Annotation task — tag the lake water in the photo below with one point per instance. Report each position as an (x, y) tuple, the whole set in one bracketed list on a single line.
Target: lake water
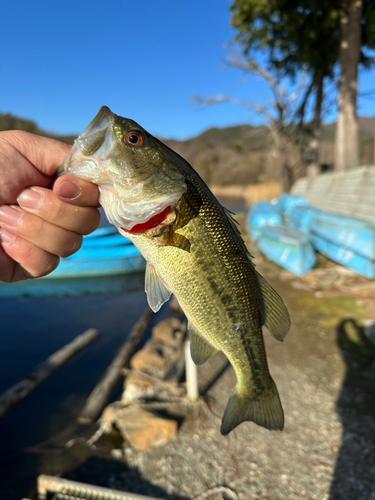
[(30, 331)]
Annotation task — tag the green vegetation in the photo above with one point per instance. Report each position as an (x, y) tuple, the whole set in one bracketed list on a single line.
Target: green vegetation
[(313, 37), (332, 310)]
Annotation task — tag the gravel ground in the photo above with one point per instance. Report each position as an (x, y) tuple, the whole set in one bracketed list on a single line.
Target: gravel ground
[(327, 448)]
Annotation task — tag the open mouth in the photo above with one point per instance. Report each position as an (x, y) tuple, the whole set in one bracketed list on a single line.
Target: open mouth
[(154, 221)]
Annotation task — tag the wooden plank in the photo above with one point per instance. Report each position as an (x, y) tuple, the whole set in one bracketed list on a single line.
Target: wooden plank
[(103, 390), (43, 371), (53, 484)]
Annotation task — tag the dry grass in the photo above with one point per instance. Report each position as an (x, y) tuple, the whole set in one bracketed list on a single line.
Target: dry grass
[(252, 193)]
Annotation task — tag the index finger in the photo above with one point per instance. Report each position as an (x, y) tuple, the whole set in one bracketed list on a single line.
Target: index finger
[(46, 155)]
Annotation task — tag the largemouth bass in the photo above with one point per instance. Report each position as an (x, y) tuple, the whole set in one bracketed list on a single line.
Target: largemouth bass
[(194, 250)]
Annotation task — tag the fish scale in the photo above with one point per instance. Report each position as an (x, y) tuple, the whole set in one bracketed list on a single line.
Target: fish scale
[(196, 252)]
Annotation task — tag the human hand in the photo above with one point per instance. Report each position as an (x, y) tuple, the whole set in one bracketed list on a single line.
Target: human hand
[(39, 224)]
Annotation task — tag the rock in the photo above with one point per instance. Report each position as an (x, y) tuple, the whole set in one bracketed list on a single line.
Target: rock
[(142, 429), (165, 330), (110, 412), (138, 378), (135, 393), (117, 454), (148, 360), (165, 349), (137, 385)]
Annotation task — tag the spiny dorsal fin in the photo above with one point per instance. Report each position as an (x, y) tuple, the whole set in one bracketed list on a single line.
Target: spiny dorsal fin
[(275, 315), (157, 292), (233, 223), (200, 349)]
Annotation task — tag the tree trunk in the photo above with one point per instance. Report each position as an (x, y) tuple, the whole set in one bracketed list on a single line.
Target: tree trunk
[(346, 140), (313, 153), (285, 172)]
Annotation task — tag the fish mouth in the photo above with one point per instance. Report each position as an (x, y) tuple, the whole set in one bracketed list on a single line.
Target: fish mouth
[(136, 218), (94, 135), (100, 120), (151, 223), (91, 147)]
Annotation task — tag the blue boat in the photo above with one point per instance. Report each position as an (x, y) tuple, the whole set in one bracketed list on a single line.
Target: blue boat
[(354, 234), (345, 257), (73, 287), (301, 217), (114, 240), (287, 201), (106, 263), (102, 231), (101, 261), (261, 214), (288, 248)]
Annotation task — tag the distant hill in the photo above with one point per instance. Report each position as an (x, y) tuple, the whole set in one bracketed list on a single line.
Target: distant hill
[(367, 124), (11, 122), (232, 155)]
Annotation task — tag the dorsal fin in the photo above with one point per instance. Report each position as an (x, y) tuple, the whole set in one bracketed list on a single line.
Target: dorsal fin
[(275, 315), (157, 292), (200, 349), (234, 225)]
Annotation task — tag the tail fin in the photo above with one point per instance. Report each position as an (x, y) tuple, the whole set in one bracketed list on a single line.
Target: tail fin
[(264, 410)]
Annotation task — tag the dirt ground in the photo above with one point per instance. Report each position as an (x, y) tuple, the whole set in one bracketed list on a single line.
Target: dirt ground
[(325, 373)]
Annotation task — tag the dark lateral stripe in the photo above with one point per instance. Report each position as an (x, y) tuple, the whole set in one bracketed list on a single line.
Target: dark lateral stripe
[(256, 368)]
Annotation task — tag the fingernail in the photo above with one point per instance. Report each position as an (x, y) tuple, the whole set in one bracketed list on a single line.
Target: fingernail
[(6, 237), (10, 215), (31, 198), (68, 190)]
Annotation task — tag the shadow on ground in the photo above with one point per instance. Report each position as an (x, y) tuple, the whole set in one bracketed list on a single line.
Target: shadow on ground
[(116, 475), (354, 476), (67, 455)]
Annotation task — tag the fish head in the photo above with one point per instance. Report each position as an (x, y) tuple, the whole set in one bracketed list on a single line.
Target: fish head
[(138, 176)]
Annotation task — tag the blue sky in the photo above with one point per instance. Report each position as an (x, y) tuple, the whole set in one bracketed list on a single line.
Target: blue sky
[(63, 59)]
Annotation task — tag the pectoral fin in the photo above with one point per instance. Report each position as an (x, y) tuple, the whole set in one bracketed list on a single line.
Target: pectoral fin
[(156, 290), (200, 349), (275, 315)]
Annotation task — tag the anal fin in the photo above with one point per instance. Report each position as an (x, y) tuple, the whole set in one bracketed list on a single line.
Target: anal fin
[(156, 290), (200, 349)]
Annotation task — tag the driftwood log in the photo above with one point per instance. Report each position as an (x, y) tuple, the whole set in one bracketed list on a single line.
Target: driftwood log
[(43, 371), (102, 392)]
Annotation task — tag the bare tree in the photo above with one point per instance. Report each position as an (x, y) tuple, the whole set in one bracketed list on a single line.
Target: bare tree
[(283, 114)]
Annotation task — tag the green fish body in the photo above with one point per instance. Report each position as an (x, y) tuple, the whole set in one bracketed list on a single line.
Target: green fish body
[(193, 250)]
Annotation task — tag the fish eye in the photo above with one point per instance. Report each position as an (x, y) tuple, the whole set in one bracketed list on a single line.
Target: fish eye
[(134, 138)]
